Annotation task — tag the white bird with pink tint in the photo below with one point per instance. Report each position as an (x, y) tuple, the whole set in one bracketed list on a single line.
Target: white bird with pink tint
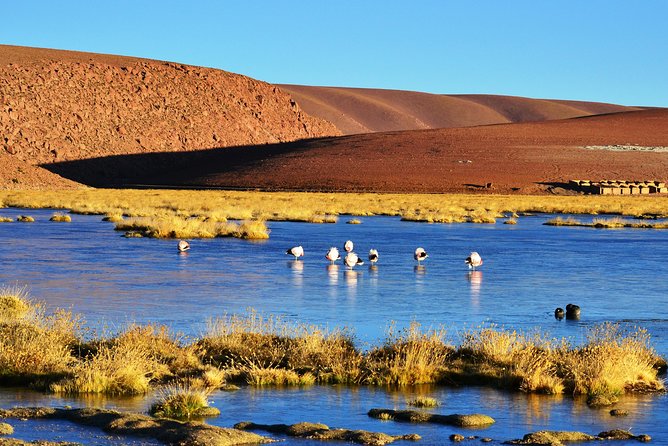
[(473, 260), (296, 251)]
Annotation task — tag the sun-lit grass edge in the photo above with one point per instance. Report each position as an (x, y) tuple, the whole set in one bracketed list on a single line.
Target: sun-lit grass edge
[(49, 351), (221, 206)]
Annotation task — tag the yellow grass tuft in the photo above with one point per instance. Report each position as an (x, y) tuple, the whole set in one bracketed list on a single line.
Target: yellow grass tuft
[(182, 401), (60, 217), (424, 401), (6, 219), (354, 221), (409, 357), (183, 228), (25, 219)]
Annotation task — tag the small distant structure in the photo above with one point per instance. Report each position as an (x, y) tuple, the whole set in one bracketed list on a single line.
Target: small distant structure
[(618, 187)]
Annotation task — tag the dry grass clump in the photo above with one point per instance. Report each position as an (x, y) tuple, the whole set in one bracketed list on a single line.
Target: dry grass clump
[(409, 357), (354, 221), (33, 346), (128, 363), (607, 223), (6, 219), (179, 227), (510, 221), (60, 217), (612, 362), (25, 219), (112, 217), (182, 401), (267, 350), (514, 359), (15, 304), (560, 221), (424, 401)]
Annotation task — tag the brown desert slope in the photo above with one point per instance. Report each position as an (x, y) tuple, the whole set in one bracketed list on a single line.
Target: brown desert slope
[(515, 158), (363, 110), (63, 105)]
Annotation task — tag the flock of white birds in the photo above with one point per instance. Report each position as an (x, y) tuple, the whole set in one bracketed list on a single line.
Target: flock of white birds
[(351, 259)]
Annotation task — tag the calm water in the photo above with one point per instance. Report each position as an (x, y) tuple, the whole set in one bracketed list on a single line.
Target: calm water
[(529, 270)]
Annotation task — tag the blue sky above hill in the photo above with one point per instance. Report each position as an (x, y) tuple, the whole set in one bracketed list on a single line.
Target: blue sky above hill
[(609, 51)]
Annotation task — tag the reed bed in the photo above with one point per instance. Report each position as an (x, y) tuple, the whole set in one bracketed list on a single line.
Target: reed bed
[(326, 207), (179, 227), (49, 352), (607, 223)]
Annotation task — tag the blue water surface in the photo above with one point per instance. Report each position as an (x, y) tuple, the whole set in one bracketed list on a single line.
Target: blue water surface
[(529, 269)]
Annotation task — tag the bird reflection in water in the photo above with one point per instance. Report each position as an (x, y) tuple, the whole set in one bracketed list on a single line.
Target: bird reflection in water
[(297, 267), (351, 277), (420, 270), (475, 282), (333, 273)]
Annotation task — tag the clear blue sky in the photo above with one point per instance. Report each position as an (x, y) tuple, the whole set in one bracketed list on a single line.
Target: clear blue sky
[(598, 50)]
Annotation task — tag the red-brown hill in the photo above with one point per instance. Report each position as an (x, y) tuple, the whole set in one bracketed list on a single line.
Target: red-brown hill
[(364, 110), (513, 157), (63, 105)]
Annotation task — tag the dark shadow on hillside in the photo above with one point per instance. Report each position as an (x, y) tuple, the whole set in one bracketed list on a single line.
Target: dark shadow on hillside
[(177, 169)]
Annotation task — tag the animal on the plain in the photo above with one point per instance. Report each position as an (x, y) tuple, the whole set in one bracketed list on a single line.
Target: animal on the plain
[(352, 259), (183, 246), (373, 255), (348, 246), (473, 260), (296, 251), (420, 254), (333, 254)]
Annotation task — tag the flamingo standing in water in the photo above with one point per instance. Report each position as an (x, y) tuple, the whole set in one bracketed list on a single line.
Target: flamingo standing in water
[(373, 256), (296, 251), (348, 246), (473, 260), (420, 254), (183, 246), (352, 259), (333, 254)]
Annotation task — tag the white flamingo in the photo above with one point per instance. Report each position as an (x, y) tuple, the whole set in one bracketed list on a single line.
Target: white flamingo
[(333, 254), (420, 255), (183, 246), (352, 259), (296, 251), (348, 246), (373, 256), (473, 260)]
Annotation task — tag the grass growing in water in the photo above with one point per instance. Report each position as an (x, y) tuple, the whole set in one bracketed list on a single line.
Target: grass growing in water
[(60, 217), (49, 352), (183, 401), (325, 207), (607, 223), (179, 227), (25, 219), (424, 401), (6, 219)]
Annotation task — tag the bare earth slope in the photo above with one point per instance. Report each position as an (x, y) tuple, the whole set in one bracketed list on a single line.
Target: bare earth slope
[(63, 105), (516, 158), (363, 110)]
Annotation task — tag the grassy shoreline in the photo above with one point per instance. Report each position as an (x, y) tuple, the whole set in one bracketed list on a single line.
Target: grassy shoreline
[(205, 213), (49, 352)]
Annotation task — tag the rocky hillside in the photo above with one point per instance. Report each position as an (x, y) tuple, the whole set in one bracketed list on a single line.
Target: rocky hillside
[(62, 105)]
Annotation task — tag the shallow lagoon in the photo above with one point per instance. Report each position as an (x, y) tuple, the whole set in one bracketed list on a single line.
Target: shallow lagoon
[(529, 270)]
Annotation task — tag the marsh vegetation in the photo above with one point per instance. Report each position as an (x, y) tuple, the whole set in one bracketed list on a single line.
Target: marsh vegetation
[(52, 352), (164, 212)]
